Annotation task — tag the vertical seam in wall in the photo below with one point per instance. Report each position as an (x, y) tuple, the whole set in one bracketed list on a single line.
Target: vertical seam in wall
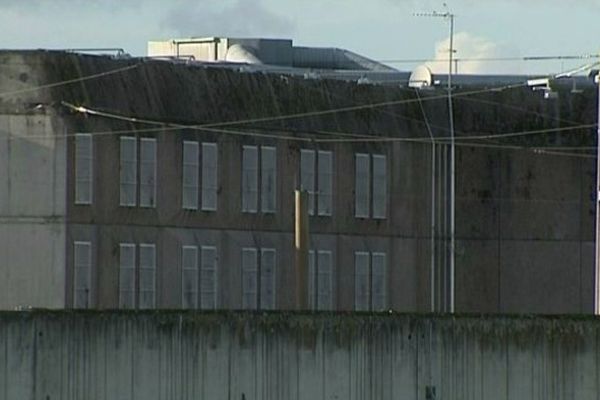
[(581, 205), (499, 230)]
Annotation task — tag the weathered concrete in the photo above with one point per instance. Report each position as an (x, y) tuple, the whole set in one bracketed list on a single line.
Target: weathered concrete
[(169, 355)]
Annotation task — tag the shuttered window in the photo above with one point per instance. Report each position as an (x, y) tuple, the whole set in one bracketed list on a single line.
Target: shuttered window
[(189, 277), (267, 279), (379, 186), (268, 179), (190, 176), (128, 171), (127, 275), (209, 176), (324, 280), (82, 271), (83, 168), (361, 281), (325, 195), (208, 278), (147, 293), (320, 291), (148, 172), (378, 281), (307, 177), (249, 279), (249, 179), (362, 185)]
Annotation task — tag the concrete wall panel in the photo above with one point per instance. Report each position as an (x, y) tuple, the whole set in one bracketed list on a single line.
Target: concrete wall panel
[(273, 356)]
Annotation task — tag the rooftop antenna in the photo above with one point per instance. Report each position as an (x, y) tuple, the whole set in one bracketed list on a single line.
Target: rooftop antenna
[(447, 15)]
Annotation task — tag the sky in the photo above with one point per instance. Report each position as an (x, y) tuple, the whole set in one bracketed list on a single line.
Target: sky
[(378, 29)]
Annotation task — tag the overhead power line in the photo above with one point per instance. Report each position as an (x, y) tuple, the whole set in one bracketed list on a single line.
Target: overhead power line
[(491, 59), (459, 140), (70, 81)]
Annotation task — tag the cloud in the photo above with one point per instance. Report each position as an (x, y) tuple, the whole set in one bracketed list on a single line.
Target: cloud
[(237, 18), (477, 50)]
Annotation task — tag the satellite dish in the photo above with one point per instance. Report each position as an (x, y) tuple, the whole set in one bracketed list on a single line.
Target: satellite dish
[(420, 77)]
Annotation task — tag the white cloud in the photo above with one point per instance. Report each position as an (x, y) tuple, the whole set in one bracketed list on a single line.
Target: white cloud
[(475, 50)]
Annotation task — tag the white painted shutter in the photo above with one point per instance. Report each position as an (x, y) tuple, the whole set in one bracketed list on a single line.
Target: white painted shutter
[(312, 280), (361, 281), (127, 275), (361, 186), (267, 279), (379, 186), (325, 183), (209, 176), (378, 282), (82, 270), (208, 278), (189, 277), (83, 168), (249, 278), (147, 276), (128, 173), (148, 172), (324, 296), (307, 177), (268, 179), (190, 176), (249, 179)]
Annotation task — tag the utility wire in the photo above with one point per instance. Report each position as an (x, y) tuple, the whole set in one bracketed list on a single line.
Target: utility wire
[(372, 138), (167, 127), (486, 59), (70, 81)]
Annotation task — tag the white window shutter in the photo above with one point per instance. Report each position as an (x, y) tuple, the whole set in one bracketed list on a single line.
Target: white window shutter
[(379, 186), (147, 297), (325, 183), (190, 176), (378, 282), (82, 270), (189, 277), (148, 172), (249, 278), (268, 179), (324, 280), (128, 171), (127, 275), (312, 280), (361, 187), (209, 176), (307, 177), (361, 281), (267, 279), (249, 179), (83, 168), (208, 278)]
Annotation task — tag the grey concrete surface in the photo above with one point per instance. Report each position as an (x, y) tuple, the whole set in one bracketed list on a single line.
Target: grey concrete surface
[(169, 355)]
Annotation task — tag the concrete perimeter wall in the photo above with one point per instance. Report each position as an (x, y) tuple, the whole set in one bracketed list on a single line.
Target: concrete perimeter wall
[(170, 355)]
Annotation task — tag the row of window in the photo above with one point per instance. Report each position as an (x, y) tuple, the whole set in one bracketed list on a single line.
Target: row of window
[(199, 275), (138, 177)]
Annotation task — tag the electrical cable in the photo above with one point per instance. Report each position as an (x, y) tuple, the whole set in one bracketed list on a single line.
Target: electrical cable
[(70, 81)]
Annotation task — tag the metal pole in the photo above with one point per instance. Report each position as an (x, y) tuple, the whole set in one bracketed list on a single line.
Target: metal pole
[(433, 217), (597, 243), (301, 248), (452, 164)]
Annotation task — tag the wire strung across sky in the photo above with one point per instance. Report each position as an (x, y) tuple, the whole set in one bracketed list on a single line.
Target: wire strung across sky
[(458, 140), (70, 81), (216, 127)]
